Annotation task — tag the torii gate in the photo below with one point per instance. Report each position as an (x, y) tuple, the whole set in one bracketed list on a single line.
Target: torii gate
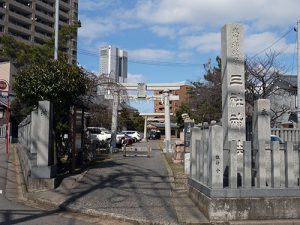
[(142, 88), (148, 116)]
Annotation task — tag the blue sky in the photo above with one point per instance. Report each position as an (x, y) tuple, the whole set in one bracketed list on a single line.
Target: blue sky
[(170, 40)]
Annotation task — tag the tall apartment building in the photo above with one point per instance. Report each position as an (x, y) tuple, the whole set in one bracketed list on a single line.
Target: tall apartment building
[(183, 97), (33, 21), (114, 63)]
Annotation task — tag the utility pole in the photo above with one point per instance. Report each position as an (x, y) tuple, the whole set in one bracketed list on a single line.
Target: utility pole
[(298, 73), (56, 30)]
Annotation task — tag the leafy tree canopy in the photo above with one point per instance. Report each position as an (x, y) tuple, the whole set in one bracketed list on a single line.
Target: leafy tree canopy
[(183, 108), (206, 103), (55, 81)]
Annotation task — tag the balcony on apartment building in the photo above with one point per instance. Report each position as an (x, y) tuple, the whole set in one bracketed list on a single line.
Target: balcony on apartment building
[(45, 5), (19, 33), (2, 10), (44, 16), (64, 4), (44, 24), (21, 25), (42, 34)]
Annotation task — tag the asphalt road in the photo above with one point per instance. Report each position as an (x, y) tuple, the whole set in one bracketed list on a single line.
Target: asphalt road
[(128, 187)]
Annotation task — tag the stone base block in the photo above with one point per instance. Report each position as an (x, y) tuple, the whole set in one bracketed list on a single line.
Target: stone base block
[(41, 184), (255, 208), (179, 148), (179, 154), (43, 172)]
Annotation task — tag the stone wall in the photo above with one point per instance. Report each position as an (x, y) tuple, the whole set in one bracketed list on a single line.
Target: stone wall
[(35, 148)]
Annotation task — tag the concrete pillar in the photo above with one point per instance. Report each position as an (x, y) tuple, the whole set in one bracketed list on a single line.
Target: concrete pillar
[(199, 160), (34, 131), (215, 157), (233, 164), (261, 175), (194, 151), (145, 129), (289, 165), (262, 133), (275, 165), (247, 183), (261, 122), (166, 94), (114, 120), (45, 139)]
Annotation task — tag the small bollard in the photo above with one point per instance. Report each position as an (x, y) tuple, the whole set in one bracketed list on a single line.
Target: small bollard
[(124, 150)]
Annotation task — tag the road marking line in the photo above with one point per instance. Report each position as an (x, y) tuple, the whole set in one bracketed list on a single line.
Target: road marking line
[(0, 191)]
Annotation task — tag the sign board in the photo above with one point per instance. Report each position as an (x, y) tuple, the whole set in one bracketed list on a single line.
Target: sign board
[(141, 90), (187, 133)]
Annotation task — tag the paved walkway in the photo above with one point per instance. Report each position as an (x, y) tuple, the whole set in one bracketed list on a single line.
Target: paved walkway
[(133, 189)]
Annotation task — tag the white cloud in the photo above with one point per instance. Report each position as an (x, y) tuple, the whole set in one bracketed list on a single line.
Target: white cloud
[(255, 43), (97, 27), (91, 5), (150, 54), (215, 13), (135, 78), (164, 31), (209, 42)]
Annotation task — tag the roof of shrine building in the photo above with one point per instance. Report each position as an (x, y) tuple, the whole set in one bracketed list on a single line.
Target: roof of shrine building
[(288, 82)]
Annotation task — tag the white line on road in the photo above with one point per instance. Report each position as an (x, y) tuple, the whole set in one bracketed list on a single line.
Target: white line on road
[(0, 191)]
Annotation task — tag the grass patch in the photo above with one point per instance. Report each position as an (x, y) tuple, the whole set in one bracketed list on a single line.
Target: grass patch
[(180, 178)]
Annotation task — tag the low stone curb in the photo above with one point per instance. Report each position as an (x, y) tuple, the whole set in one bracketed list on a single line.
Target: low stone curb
[(175, 193), (92, 212)]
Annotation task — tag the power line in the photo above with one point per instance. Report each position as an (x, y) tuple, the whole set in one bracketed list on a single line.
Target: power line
[(147, 62), (275, 42), (294, 55)]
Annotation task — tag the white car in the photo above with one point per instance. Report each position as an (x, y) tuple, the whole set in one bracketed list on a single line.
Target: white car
[(99, 134), (133, 134)]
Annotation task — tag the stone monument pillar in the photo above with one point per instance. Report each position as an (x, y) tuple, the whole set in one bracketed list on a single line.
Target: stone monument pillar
[(261, 121), (45, 167), (233, 94), (261, 136), (233, 86)]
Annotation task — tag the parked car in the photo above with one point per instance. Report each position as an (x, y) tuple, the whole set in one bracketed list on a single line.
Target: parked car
[(128, 140), (99, 134), (276, 138), (154, 135), (122, 139), (133, 134)]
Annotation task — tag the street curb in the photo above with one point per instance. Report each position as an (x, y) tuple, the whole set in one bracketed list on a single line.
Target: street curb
[(174, 193), (173, 188), (92, 212)]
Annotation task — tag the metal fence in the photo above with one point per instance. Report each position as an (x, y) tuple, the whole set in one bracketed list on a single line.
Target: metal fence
[(2, 131)]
